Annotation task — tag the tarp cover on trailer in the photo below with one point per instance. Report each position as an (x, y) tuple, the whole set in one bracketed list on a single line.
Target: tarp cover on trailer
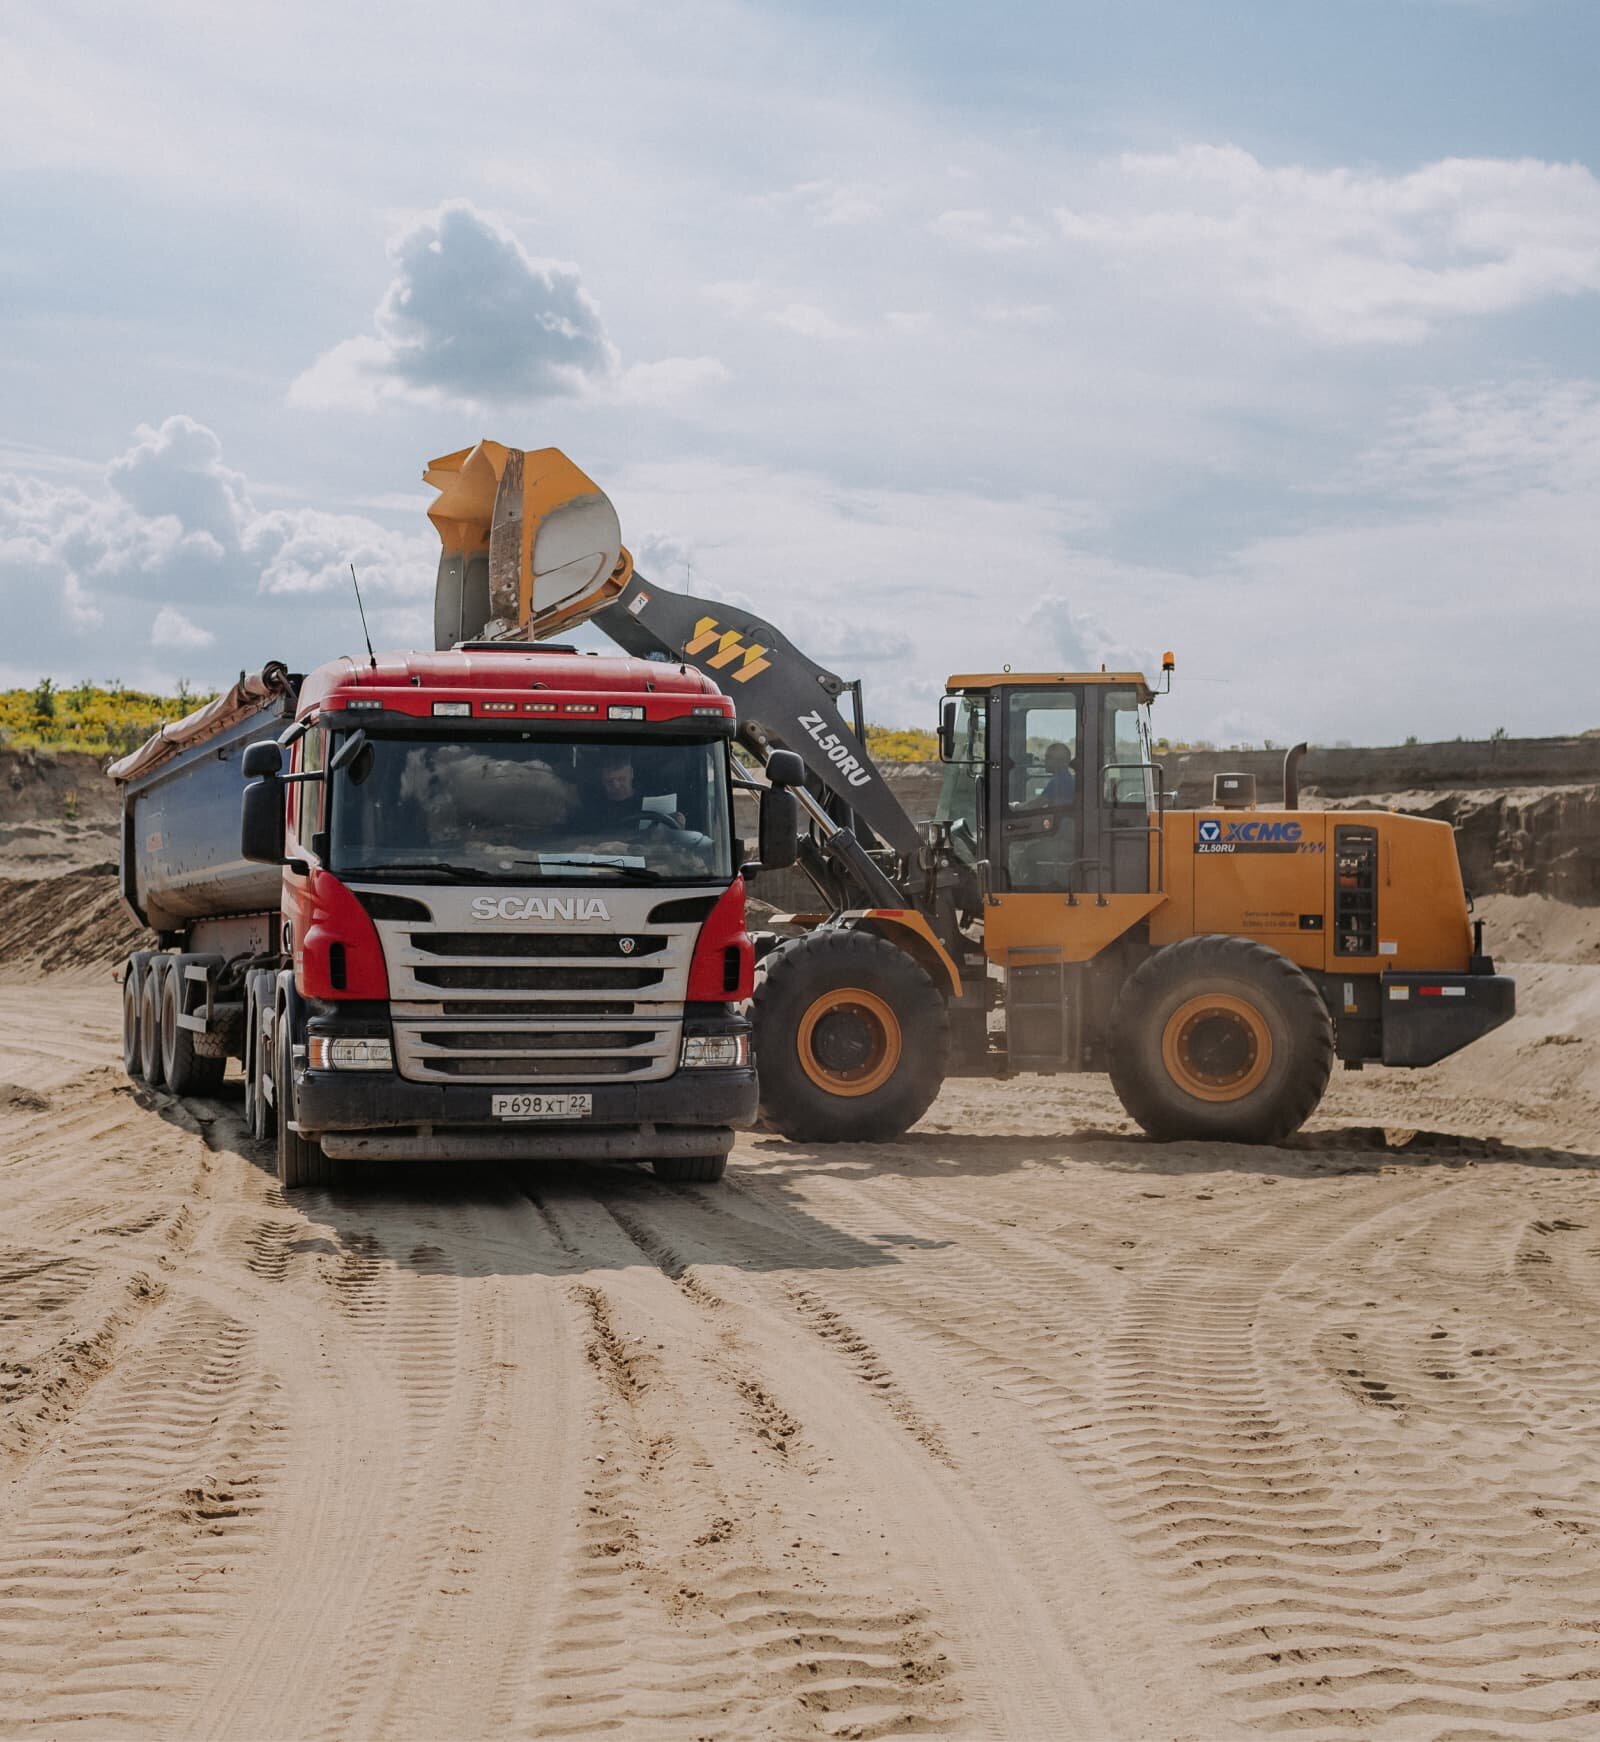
[(217, 715)]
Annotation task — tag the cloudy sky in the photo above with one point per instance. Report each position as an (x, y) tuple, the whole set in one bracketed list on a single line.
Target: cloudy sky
[(1050, 333)]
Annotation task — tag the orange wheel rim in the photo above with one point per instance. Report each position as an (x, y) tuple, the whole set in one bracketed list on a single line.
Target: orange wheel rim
[(849, 1041), (1216, 1047)]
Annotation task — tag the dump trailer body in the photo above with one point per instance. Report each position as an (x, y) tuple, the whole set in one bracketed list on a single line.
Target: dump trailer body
[(180, 861)]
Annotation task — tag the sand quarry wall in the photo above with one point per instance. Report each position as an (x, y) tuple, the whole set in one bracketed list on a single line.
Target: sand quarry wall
[(1536, 835)]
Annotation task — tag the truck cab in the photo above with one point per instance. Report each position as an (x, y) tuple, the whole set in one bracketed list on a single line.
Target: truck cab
[(513, 916)]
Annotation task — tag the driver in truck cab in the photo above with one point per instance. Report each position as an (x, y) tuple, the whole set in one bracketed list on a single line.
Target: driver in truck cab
[(610, 799)]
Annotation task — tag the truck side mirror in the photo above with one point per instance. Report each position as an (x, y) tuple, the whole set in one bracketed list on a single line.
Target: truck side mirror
[(947, 728), (349, 750), (784, 768), (780, 824), (264, 759), (261, 817)]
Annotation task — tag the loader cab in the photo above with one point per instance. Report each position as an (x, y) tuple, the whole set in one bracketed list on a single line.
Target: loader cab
[(1049, 783)]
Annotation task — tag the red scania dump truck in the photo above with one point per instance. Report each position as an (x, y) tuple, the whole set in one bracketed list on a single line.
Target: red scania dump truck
[(482, 904)]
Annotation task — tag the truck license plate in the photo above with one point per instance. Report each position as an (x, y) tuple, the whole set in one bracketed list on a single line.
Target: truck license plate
[(541, 1106)]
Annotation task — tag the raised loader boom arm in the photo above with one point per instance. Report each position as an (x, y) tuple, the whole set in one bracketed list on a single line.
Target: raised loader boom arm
[(532, 548)]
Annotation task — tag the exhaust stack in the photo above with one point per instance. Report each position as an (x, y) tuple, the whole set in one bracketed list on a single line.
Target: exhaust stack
[(1291, 777)]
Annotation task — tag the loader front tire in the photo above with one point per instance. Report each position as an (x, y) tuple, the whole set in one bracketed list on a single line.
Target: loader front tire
[(851, 1039), (1222, 1039)]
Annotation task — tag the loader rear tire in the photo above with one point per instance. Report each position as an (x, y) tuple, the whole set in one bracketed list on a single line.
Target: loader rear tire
[(301, 1160), (851, 1039), (150, 1022), (1222, 1039)]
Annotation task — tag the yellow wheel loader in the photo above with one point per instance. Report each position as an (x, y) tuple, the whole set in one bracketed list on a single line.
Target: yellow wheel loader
[(1054, 914)]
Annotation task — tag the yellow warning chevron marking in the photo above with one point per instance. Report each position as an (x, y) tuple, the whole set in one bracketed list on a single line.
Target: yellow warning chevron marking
[(729, 648)]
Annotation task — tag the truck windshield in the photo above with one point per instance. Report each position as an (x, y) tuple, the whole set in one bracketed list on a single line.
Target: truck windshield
[(517, 810)]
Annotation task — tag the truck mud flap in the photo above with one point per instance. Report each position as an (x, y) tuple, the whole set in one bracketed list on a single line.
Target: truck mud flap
[(1426, 1017)]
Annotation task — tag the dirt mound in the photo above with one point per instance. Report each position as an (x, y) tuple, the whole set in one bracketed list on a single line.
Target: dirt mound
[(1536, 928), (60, 924)]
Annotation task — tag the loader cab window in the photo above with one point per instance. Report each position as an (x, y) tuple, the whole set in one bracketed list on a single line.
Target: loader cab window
[(959, 795), (1128, 792), (1042, 793)]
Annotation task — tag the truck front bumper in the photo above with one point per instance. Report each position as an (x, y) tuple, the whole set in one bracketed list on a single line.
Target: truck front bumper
[(1426, 1017), (378, 1115), (382, 1115)]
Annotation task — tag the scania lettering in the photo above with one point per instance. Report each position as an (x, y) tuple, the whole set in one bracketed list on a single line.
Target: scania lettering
[(567, 907), (483, 904)]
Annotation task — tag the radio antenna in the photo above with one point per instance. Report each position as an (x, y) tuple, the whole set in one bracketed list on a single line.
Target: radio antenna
[(371, 656)]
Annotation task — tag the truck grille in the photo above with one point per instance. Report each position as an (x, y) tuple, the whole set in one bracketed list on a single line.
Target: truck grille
[(481, 1052), (460, 977), (562, 945), (538, 1003)]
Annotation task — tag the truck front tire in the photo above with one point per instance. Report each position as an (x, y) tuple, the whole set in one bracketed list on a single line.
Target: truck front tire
[(301, 1161), (851, 1039), (690, 1169), (1222, 1039)]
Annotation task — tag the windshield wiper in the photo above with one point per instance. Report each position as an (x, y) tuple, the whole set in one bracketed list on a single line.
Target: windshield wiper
[(635, 873), (416, 867)]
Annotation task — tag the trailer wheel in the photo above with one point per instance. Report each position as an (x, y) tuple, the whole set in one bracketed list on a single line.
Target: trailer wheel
[(258, 1111), (150, 1021), (1220, 1038), (301, 1161), (186, 1072), (690, 1169), (851, 1039), (132, 985)]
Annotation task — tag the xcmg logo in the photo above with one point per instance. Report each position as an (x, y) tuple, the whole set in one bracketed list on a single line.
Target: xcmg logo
[(1253, 835), (565, 907)]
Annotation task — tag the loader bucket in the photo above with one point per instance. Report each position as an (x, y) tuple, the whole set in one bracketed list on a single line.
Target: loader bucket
[(531, 544)]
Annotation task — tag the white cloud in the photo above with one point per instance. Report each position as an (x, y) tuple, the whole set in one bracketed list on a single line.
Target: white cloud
[(1490, 440), (172, 551), (979, 228), (471, 319), (1346, 255), (829, 203), (1072, 638), (809, 321), (172, 629)]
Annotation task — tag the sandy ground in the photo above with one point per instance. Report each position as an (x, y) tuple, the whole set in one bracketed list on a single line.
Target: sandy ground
[(1019, 1428)]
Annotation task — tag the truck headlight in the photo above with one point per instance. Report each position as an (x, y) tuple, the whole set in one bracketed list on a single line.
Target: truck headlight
[(342, 1053), (717, 1051)]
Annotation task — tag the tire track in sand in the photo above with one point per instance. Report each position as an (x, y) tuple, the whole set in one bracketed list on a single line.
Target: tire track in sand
[(677, 1616)]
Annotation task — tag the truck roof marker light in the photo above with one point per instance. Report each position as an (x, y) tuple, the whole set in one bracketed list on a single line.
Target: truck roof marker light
[(499, 707), (715, 713), (538, 707), (363, 702), (619, 712), (452, 710), (582, 708)]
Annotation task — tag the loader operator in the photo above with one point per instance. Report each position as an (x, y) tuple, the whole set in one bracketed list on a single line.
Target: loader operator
[(1062, 786)]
